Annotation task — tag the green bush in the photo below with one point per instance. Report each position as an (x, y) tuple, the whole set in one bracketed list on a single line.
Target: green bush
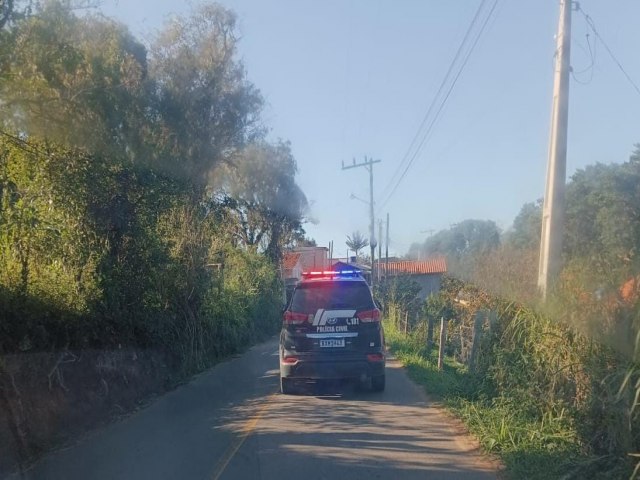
[(98, 254)]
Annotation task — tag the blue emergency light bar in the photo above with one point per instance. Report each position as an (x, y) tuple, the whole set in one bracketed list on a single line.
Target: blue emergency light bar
[(332, 273)]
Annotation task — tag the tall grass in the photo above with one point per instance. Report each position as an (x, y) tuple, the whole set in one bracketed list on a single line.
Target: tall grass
[(548, 400)]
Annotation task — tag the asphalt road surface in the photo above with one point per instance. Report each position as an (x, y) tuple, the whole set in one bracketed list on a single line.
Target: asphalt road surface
[(231, 423)]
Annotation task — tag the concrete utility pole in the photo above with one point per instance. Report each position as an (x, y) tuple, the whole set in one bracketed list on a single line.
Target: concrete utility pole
[(368, 164), (553, 208), (386, 251)]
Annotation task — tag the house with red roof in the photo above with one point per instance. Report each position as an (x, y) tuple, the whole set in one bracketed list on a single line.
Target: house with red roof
[(302, 259), (427, 273)]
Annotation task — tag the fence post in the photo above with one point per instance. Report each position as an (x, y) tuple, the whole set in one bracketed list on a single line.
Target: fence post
[(493, 320), (430, 322), (443, 340), (477, 335), (406, 323)]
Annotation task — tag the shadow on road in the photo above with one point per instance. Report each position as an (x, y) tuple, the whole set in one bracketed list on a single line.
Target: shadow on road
[(335, 430), (231, 420)]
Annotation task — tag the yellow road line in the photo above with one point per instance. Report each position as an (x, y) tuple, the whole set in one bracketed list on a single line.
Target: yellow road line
[(235, 445)]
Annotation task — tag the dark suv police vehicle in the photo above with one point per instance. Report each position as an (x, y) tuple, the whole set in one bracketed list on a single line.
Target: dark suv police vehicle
[(332, 330)]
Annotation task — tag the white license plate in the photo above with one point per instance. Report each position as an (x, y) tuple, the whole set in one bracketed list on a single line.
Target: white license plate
[(332, 342)]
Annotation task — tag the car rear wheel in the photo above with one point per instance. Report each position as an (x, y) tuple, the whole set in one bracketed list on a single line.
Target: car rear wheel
[(286, 386), (378, 383)]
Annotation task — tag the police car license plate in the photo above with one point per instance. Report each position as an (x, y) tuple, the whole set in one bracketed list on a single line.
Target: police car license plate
[(332, 342)]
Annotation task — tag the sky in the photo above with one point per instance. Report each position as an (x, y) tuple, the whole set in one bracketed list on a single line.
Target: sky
[(347, 79)]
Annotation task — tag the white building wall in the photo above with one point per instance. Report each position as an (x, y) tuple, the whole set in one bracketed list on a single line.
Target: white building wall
[(313, 258)]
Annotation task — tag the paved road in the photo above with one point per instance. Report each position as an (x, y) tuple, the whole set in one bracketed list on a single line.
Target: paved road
[(230, 423)]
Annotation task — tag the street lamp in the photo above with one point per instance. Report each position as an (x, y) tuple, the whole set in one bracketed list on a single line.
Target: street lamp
[(372, 240), (373, 243), (353, 197)]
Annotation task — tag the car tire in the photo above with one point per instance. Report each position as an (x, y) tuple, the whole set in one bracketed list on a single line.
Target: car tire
[(378, 383), (286, 386)]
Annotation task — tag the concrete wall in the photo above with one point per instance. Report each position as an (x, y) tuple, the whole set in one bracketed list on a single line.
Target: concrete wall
[(429, 283), (313, 258)]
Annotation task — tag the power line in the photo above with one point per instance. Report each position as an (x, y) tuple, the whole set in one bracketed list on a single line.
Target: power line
[(435, 98), (426, 134), (590, 68), (592, 25)]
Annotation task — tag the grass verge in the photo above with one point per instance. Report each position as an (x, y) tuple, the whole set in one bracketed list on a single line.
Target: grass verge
[(531, 444)]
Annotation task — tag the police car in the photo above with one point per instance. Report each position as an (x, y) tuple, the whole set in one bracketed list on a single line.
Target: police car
[(331, 330)]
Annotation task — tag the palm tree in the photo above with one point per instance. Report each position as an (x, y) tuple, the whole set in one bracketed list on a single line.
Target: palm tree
[(356, 242)]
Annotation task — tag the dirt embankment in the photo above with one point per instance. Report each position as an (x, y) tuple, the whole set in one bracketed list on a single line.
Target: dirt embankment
[(48, 399)]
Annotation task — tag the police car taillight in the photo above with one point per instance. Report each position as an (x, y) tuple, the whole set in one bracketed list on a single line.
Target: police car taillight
[(293, 318), (369, 316)]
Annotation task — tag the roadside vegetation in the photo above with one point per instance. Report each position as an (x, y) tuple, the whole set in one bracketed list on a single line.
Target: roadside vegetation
[(543, 398), (555, 388), (143, 214)]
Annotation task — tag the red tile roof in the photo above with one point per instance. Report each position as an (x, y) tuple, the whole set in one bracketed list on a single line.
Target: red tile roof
[(290, 260), (435, 265), (630, 290)]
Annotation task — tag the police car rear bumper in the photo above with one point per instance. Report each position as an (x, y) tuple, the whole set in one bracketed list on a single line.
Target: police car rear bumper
[(318, 368)]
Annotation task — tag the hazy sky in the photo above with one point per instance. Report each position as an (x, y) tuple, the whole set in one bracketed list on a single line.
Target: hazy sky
[(349, 78)]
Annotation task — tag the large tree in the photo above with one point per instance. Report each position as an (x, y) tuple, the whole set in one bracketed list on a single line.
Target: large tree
[(74, 80), (466, 238), (181, 108), (260, 189), (527, 226), (206, 109), (603, 214)]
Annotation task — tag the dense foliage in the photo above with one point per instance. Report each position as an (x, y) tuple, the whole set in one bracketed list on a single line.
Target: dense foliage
[(141, 209), (555, 387), (138, 195), (460, 241)]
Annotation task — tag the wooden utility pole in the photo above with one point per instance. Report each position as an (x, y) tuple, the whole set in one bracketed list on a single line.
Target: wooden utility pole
[(553, 208), (368, 164)]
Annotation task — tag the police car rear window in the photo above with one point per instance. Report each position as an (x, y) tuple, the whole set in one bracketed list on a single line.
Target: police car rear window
[(308, 298)]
